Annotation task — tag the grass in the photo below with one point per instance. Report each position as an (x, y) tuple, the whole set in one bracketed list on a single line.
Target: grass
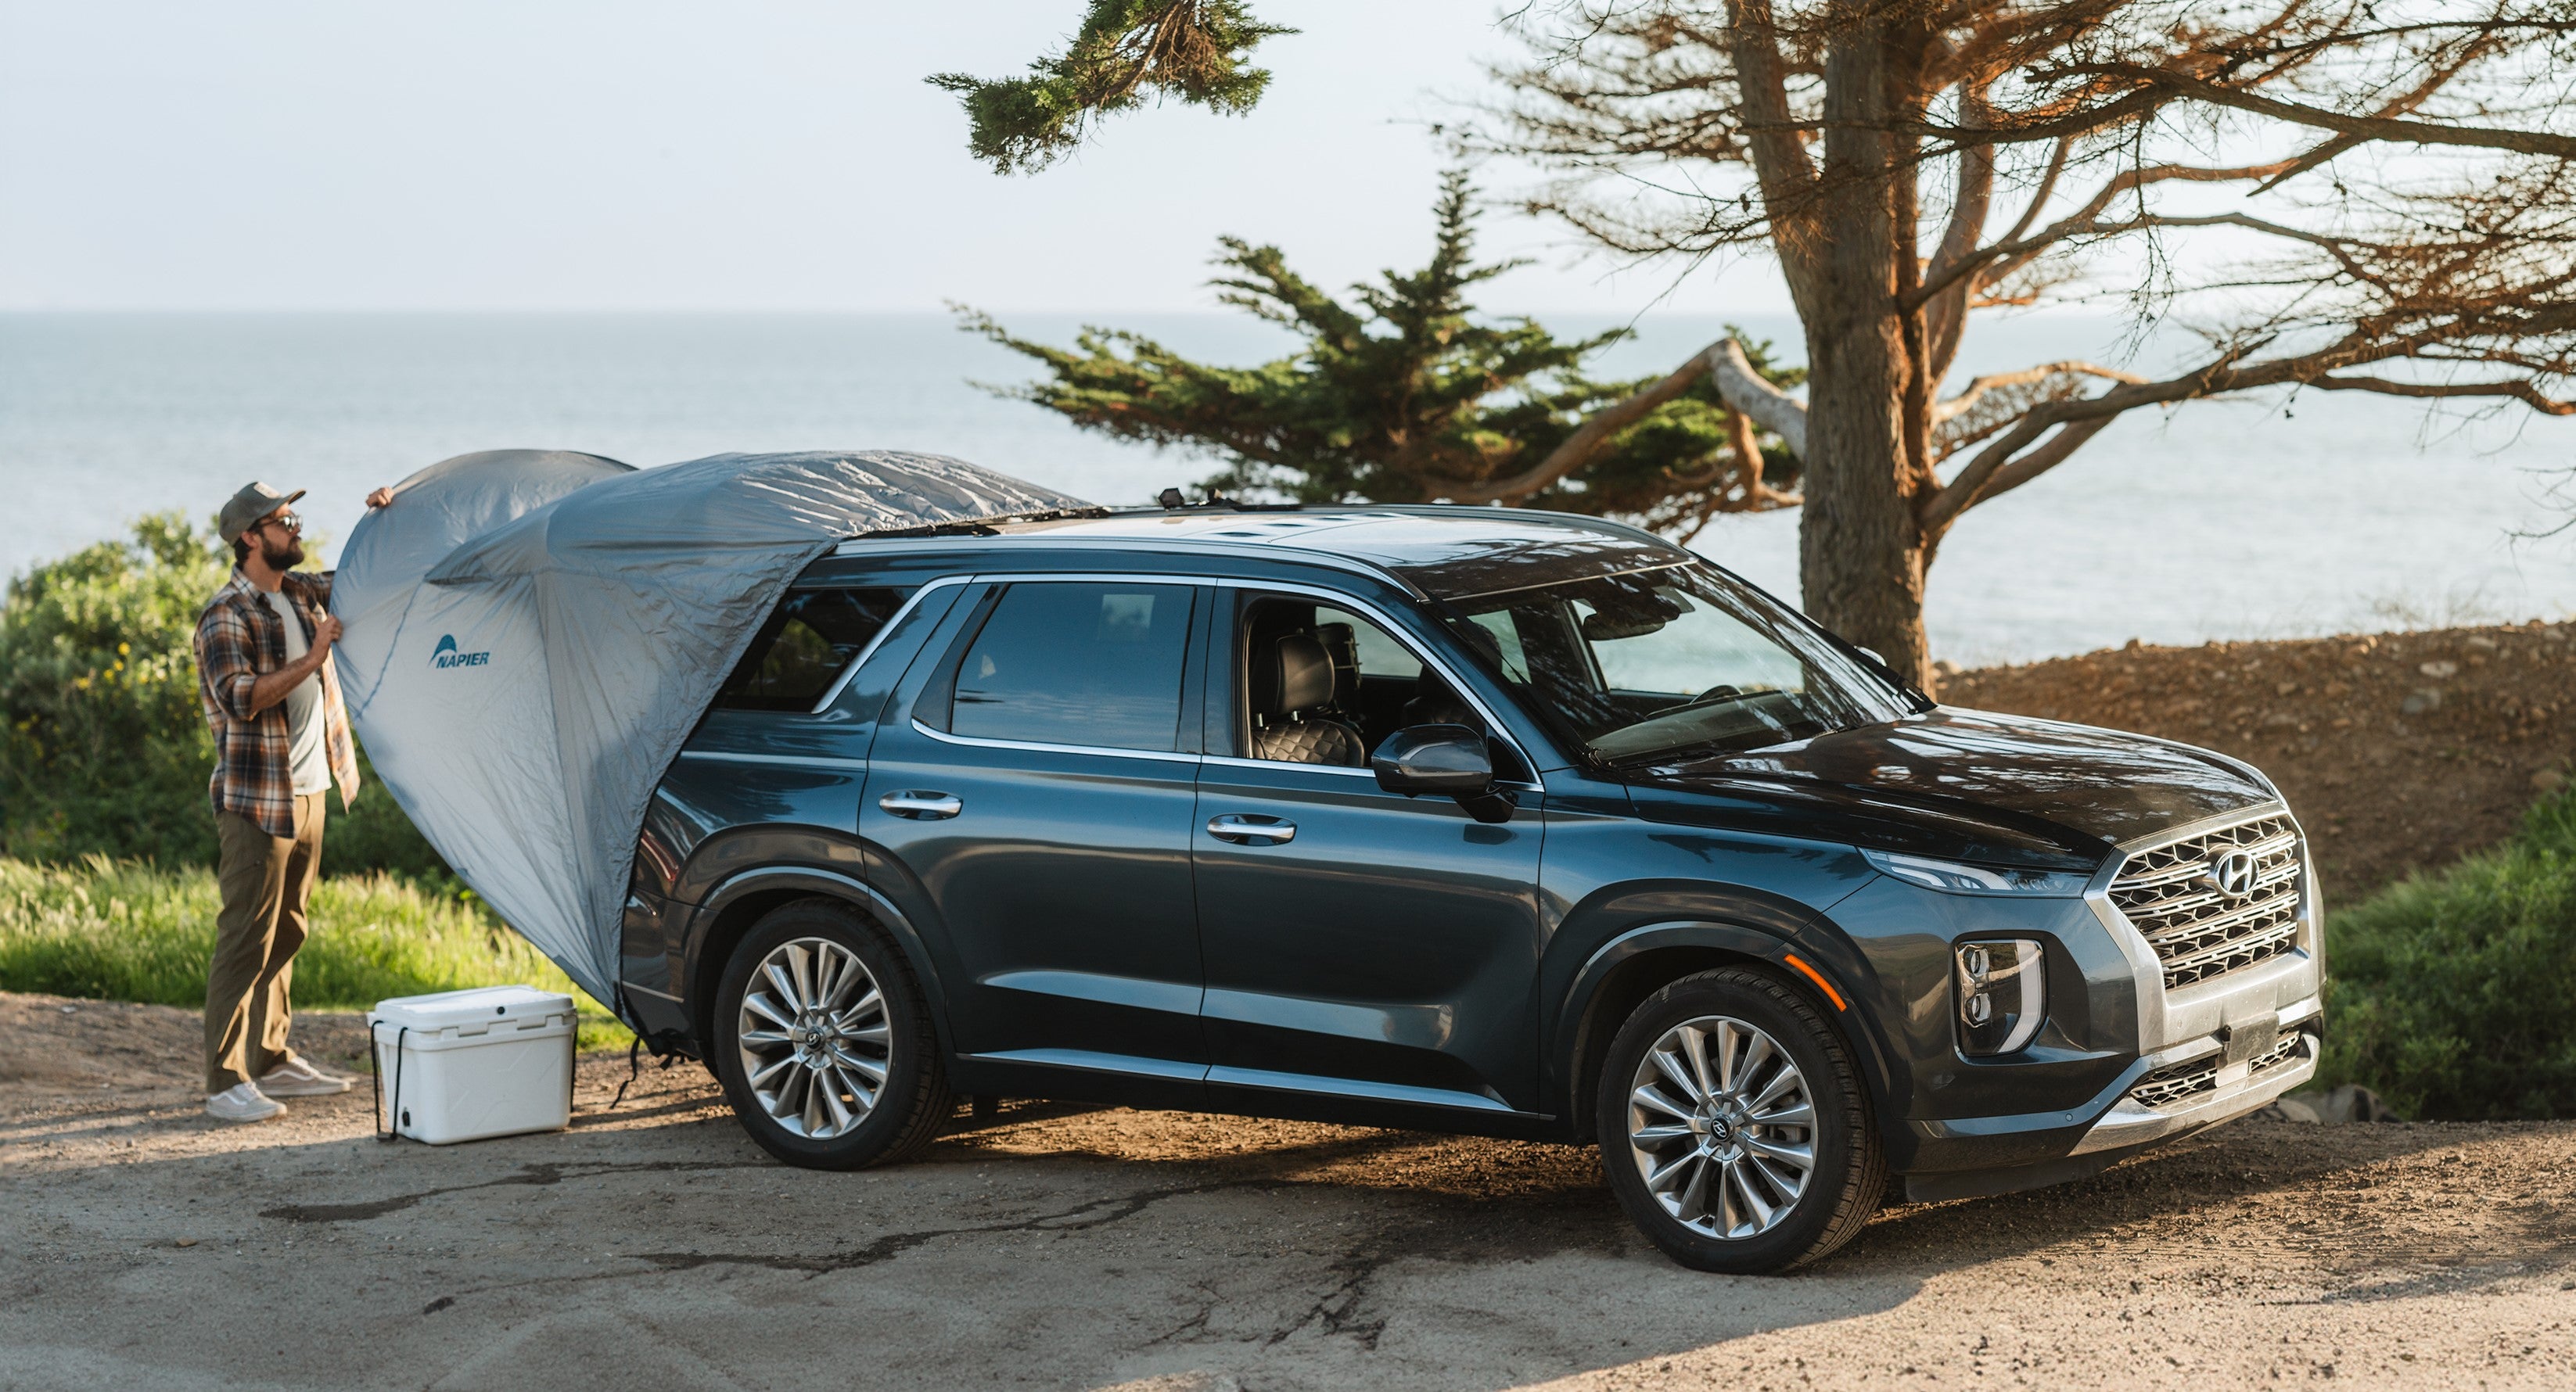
[(2453, 994), (129, 930)]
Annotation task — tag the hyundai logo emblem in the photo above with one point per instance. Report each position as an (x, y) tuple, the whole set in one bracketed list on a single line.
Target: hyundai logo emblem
[(2232, 874)]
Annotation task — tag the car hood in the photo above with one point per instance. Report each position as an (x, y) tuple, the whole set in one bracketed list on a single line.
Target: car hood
[(1966, 784)]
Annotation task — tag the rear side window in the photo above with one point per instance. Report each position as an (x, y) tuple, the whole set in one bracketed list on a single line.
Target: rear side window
[(1077, 663), (805, 646)]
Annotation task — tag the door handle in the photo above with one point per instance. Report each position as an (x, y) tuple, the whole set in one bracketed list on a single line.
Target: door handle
[(1252, 830), (921, 806)]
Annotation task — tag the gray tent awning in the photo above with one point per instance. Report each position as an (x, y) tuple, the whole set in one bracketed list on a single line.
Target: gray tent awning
[(532, 634)]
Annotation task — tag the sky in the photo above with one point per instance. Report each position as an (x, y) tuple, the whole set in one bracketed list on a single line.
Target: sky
[(755, 155)]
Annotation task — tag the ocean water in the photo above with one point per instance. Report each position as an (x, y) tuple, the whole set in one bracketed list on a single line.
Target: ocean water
[(2221, 520)]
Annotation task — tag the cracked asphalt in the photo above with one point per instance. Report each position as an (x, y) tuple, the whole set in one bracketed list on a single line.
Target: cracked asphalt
[(652, 1246)]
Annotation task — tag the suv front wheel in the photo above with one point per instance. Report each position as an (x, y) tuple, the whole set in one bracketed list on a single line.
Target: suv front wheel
[(824, 1042), (1734, 1128)]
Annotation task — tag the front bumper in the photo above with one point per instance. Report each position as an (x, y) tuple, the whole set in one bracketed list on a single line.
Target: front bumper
[(2209, 1051), (2235, 1085)]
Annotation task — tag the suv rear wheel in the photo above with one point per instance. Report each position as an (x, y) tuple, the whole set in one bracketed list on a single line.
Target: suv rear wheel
[(1734, 1128), (824, 1042)]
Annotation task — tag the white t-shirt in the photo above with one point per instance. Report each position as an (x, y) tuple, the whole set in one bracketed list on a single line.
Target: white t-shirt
[(308, 765)]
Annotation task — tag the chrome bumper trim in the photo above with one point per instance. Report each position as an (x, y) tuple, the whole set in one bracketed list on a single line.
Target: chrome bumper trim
[(2131, 1123)]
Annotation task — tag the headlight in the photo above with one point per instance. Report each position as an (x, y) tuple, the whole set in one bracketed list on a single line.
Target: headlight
[(2003, 994), (1960, 877)]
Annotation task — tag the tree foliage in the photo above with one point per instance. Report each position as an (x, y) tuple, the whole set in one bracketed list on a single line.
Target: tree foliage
[(1125, 51), (2336, 195), (104, 748), (1404, 394), (2454, 993)]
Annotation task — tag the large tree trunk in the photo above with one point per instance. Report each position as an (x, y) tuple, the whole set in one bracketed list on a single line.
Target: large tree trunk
[(1860, 553)]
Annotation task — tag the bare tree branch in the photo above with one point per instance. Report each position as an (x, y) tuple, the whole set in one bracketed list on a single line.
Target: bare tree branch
[(1746, 390), (1978, 386), (2521, 391), (2391, 129)]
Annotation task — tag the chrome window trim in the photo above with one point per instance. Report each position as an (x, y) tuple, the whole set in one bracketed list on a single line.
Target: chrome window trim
[(1034, 747), (902, 612), (1339, 599), (1085, 577), (1230, 761), (1433, 660)]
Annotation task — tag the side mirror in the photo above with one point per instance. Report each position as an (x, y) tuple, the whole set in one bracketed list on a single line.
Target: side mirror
[(1449, 760)]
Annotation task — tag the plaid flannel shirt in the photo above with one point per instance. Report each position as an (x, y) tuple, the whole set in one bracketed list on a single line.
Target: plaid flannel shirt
[(240, 639)]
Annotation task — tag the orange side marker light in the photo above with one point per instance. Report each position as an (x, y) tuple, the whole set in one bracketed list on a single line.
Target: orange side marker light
[(1817, 977)]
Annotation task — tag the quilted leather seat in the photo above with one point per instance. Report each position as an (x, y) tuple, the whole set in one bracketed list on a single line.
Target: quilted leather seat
[(1290, 686)]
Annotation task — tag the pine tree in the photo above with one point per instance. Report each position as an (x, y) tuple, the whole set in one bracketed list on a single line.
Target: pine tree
[(1405, 394)]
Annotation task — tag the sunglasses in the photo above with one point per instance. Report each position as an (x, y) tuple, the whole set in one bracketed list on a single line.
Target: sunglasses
[(288, 520)]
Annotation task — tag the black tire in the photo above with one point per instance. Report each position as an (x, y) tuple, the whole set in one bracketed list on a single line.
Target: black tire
[(1847, 1172), (903, 1112)]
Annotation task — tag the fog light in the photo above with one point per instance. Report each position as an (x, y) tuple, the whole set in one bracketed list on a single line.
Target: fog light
[(2003, 994)]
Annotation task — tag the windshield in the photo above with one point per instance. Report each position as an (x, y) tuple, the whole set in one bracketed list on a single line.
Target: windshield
[(1682, 658)]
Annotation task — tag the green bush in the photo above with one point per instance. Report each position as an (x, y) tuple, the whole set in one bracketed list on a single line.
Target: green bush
[(2454, 994), (121, 930), (103, 743)]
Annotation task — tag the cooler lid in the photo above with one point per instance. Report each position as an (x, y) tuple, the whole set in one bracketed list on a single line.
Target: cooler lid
[(480, 1005)]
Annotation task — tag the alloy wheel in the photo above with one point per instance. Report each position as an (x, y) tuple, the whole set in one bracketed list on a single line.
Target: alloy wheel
[(814, 1040), (1722, 1127)]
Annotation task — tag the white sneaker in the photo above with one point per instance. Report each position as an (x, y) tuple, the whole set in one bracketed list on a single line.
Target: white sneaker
[(299, 1078), (243, 1102)]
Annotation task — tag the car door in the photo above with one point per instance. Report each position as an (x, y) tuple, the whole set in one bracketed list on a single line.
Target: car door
[(1032, 806), (1357, 942)]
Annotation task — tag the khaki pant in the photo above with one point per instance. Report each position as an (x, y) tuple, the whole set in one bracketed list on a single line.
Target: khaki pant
[(265, 881)]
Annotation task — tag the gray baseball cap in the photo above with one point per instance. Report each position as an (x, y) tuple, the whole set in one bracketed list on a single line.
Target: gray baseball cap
[(253, 502)]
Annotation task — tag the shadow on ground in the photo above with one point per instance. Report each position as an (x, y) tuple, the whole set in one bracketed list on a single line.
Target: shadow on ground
[(1067, 1246)]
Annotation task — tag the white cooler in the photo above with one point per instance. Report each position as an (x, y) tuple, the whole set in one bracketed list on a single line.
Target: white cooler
[(464, 1065)]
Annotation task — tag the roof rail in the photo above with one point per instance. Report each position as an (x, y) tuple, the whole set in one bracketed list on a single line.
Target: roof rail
[(983, 526)]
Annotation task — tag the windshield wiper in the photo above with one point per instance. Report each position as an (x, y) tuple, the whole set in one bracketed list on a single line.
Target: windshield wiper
[(1711, 697)]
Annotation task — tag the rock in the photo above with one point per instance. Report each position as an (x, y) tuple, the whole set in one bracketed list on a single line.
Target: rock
[(2439, 671), (2299, 1107), (2418, 702), (2548, 780), (2481, 642), (2349, 1103)]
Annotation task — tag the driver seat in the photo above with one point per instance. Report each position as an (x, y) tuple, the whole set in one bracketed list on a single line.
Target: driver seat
[(1292, 684)]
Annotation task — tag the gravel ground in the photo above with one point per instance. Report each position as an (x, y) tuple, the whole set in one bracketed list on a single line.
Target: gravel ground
[(653, 1247)]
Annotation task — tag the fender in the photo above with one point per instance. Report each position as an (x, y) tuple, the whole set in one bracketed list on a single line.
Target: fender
[(1825, 961), (824, 883)]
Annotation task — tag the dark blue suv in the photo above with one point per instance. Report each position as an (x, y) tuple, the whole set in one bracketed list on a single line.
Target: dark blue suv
[(1458, 819)]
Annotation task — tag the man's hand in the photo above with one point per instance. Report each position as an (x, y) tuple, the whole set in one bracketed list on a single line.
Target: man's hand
[(272, 687), (380, 497)]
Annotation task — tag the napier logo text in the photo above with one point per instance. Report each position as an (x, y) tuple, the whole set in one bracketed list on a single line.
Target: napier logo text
[(2232, 874), (446, 655)]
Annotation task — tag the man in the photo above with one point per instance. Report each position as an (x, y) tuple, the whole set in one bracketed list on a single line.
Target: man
[(282, 738)]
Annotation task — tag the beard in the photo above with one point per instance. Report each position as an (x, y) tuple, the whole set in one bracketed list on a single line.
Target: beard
[(282, 558)]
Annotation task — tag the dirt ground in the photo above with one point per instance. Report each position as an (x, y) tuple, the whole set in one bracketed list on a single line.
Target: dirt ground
[(2399, 751), (142, 1245)]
